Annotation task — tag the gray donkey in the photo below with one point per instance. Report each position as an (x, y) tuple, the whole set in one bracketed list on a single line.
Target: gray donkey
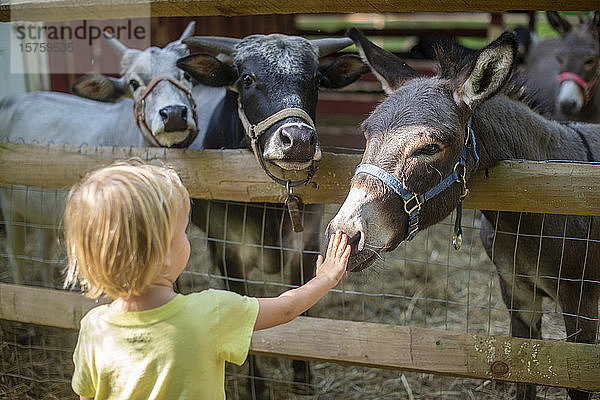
[(423, 144), (566, 70)]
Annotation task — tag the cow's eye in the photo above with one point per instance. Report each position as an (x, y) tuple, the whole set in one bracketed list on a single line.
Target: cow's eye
[(247, 80), (427, 150), (187, 77), (134, 84)]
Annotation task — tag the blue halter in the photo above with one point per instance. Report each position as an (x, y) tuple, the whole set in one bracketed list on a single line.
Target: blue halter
[(413, 201)]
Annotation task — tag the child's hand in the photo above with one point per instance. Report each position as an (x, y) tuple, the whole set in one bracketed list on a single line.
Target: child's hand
[(336, 259), (288, 305)]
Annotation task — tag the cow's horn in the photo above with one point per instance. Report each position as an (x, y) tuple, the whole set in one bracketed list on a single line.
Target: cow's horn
[(330, 45), (118, 47), (189, 31), (225, 45)]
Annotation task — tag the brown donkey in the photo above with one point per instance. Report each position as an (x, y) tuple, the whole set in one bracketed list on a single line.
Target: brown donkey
[(420, 153)]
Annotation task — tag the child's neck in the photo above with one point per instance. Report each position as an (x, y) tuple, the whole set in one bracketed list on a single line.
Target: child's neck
[(155, 296)]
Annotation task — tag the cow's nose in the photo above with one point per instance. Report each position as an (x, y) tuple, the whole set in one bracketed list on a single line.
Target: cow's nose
[(174, 117), (298, 141)]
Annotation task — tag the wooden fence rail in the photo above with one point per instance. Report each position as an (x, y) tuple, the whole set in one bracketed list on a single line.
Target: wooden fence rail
[(548, 187), (469, 355), (64, 10)]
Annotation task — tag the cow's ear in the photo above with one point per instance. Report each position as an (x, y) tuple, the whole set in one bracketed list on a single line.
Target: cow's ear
[(208, 70), (342, 71), (100, 87), (488, 73), (389, 70)]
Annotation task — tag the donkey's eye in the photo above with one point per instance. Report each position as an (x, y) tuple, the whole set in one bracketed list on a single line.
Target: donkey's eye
[(589, 62), (427, 150), (134, 84)]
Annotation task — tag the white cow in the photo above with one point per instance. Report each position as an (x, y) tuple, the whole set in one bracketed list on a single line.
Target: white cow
[(159, 111)]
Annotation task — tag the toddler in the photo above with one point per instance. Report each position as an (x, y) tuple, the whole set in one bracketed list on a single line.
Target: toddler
[(125, 232)]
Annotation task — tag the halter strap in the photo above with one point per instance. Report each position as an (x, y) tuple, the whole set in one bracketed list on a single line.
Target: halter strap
[(585, 86), (413, 202), (139, 110), (254, 131)]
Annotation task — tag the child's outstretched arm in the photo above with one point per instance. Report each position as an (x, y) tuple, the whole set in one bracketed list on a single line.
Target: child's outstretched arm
[(275, 311)]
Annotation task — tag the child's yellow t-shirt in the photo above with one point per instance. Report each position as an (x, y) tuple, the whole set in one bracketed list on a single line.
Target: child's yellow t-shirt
[(176, 351)]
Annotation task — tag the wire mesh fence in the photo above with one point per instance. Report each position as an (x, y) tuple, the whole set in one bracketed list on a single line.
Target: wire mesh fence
[(423, 283)]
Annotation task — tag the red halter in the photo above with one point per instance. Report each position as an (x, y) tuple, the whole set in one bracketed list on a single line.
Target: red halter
[(585, 86)]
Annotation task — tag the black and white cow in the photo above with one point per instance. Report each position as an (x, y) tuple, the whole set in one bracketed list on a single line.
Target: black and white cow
[(270, 75)]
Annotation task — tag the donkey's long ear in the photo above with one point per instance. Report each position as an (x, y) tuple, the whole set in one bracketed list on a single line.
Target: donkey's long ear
[(390, 70), (558, 23), (595, 20), (484, 77)]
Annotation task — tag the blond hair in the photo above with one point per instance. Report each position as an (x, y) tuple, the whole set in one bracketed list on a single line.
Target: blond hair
[(119, 223)]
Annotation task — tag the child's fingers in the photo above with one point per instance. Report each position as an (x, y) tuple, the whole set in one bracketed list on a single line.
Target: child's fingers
[(336, 241), (319, 261), (346, 255), (343, 260), (330, 246), (333, 243), (341, 245)]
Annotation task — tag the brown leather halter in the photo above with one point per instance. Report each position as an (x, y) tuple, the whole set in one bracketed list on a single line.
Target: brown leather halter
[(254, 132), (139, 110)]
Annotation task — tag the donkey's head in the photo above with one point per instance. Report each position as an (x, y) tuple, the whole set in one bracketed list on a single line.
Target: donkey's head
[(419, 150), (274, 74), (578, 57), (164, 108)]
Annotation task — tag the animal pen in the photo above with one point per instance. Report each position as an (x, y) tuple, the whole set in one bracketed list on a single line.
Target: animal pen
[(426, 321)]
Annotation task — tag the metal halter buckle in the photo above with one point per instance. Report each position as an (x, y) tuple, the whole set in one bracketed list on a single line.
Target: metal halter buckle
[(462, 175), (417, 205)]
